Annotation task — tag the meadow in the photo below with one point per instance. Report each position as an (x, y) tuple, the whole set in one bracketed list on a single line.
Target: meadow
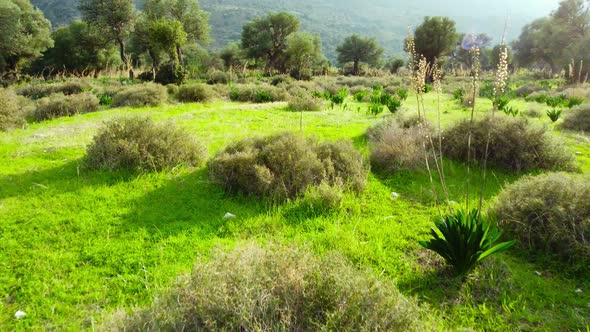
[(76, 245)]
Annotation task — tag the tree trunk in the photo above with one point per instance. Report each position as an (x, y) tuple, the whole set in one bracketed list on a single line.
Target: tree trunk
[(125, 59), (155, 63), (180, 55), (355, 69)]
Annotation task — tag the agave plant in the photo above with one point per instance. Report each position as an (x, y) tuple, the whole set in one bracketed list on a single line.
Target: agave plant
[(554, 114), (464, 240)]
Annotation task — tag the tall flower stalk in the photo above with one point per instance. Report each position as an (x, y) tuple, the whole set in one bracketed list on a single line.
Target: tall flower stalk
[(500, 79), (475, 69)]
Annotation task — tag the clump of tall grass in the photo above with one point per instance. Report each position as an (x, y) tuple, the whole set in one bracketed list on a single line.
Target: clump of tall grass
[(277, 288), (140, 144), (283, 166)]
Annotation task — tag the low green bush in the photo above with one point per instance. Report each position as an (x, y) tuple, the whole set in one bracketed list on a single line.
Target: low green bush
[(577, 118), (277, 288), (40, 90), (147, 94), (58, 105), (549, 213), (196, 92), (11, 112), (218, 77), (283, 166), (514, 144), (139, 144), (257, 93)]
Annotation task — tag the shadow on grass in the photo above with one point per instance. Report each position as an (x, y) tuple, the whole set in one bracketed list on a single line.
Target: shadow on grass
[(190, 202), (416, 185), (67, 177)]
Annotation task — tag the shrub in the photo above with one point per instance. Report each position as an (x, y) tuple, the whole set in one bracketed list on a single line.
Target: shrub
[(172, 89), (218, 77), (514, 144), (578, 118), (58, 105), (533, 113), (394, 147), (526, 90), (194, 93), (147, 94), (302, 103), (548, 213), (257, 93), (277, 288), (70, 87), (11, 114), (465, 239), (139, 144), (283, 166)]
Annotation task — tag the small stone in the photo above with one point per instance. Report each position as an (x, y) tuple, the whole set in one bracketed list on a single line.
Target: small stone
[(578, 153), (20, 314), (229, 216), (394, 195), (578, 291), (538, 273)]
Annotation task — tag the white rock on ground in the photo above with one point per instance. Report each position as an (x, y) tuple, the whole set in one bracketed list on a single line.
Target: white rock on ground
[(229, 216), (20, 314)]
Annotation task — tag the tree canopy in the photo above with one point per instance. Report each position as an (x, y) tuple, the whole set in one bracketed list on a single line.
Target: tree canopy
[(357, 49), (25, 34), (435, 37), (113, 18), (265, 38)]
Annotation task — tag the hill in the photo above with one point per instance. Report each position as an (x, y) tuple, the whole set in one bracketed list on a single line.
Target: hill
[(388, 20)]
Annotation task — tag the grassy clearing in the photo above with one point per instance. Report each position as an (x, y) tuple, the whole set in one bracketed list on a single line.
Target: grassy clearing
[(75, 245)]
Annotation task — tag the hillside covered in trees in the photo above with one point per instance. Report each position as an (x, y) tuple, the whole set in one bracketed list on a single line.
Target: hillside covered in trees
[(387, 20)]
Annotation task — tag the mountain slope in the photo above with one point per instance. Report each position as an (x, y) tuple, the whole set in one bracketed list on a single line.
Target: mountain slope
[(388, 20)]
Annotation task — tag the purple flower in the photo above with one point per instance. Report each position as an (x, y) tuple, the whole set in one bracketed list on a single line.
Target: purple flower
[(471, 41)]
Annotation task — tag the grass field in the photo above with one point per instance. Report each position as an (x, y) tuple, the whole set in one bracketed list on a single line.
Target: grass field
[(75, 245)]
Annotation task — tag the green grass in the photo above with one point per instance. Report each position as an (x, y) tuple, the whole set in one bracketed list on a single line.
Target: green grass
[(75, 244)]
